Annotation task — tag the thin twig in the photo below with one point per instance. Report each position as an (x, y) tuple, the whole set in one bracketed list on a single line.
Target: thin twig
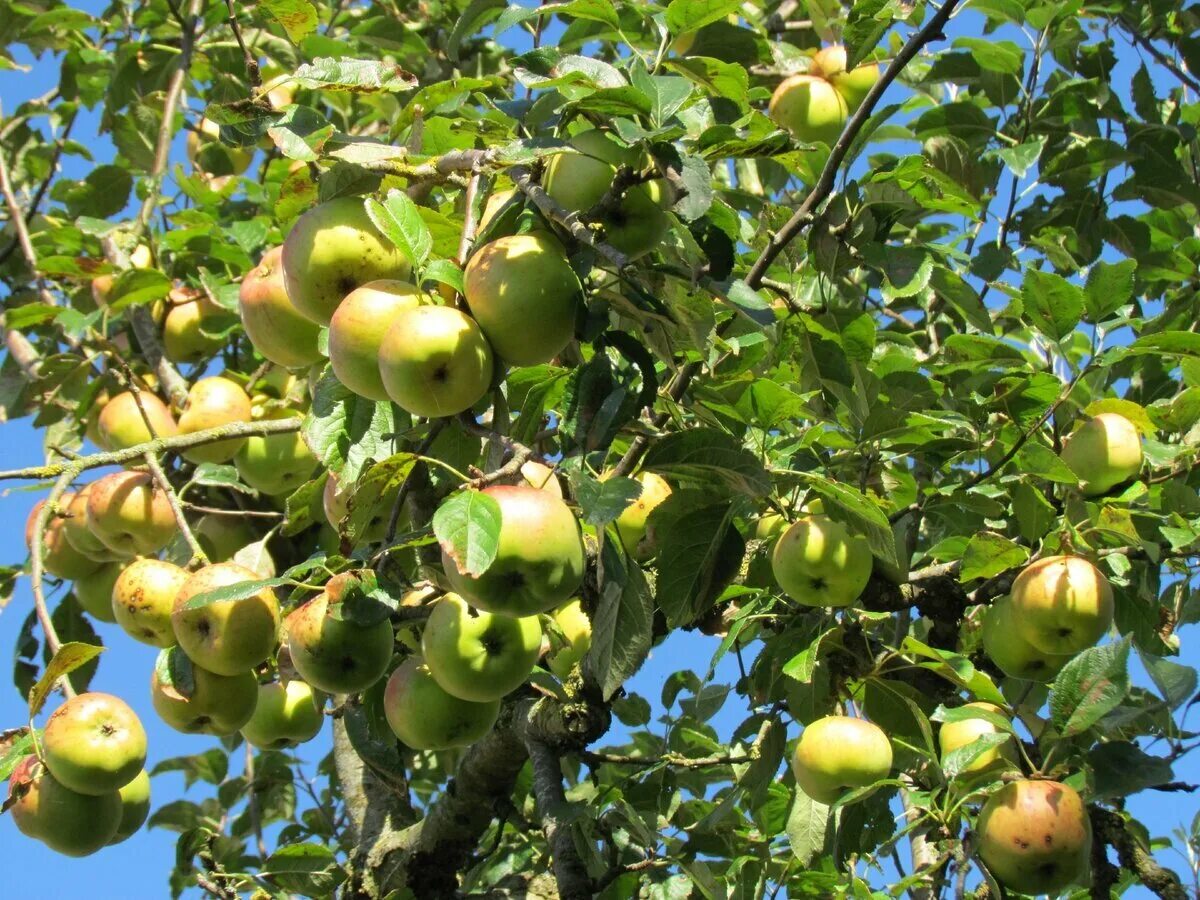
[(37, 573), (523, 178), (160, 477)]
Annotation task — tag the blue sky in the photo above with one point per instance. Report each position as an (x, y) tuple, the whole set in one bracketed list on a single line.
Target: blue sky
[(139, 867)]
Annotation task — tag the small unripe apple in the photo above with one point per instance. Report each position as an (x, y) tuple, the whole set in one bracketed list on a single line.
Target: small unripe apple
[(222, 536), (540, 476), (273, 324), (425, 717), (286, 715), (818, 562), (810, 108), (184, 338), (631, 524), (130, 515), (1062, 604), (207, 154), (576, 627), (357, 328), (213, 402), (59, 557), (135, 807), (495, 202), (122, 424), (1035, 836), (66, 821), (839, 753), (94, 593), (75, 526), (830, 64), (954, 735), (144, 596), (435, 361), (218, 704), (94, 743), (1104, 452), (1015, 656), (275, 464), (227, 636)]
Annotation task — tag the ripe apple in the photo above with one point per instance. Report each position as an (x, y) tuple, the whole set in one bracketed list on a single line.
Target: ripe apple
[(135, 807), (576, 627), (222, 536), (539, 558), (357, 328), (810, 108), (840, 753), (207, 154), (275, 464), (1104, 452), (818, 562), (94, 743), (478, 655), (435, 361), (1035, 837), (286, 715), (954, 735), (332, 249), (59, 557), (337, 655), (144, 596), (496, 201), (631, 524), (578, 181), (540, 476), (94, 593), (122, 424), (218, 704), (425, 717), (130, 515), (830, 64), (184, 339), (102, 286), (274, 326), (66, 821), (525, 296), (227, 636), (75, 526), (1062, 604), (1015, 656), (213, 402)]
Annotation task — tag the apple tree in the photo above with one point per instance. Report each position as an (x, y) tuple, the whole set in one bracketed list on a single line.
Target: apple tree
[(419, 378)]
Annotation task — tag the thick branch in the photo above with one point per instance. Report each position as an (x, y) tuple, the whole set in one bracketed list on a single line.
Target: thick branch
[(1109, 828), (569, 870)]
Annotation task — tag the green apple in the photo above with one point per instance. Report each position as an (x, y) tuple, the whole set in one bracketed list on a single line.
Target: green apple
[(273, 325), (839, 753), (226, 636), (66, 821), (818, 562), (540, 476), (94, 593), (579, 181), (435, 361), (1062, 604), (539, 558), (810, 108), (207, 154), (477, 655), (1012, 654), (576, 628), (212, 402), (631, 524), (122, 424), (332, 249), (1035, 837), (954, 735), (357, 328), (222, 536), (425, 717), (1104, 452), (830, 64), (135, 807), (286, 715), (275, 464), (525, 296), (215, 704), (336, 655), (496, 201), (130, 515), (59, 557), (75, 526), (184, 338), (94, 743), (144, 596)]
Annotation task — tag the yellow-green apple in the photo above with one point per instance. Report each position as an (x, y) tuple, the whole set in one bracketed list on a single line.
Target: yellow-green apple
[(94, 593), (333, 654), (477, 655), (130, 515), (225, 636), (539, 475), (102, 286), (143, 598), (274, 326), (524, 295), (579, 181), (840, 753), (94, 743), (141, 257), (222, 536), (1012, 654), (425, 717), (576, 629), (954, 735), (496, 201), (66, 821), (59, 557), (1104, 452), (275, 464), (830, 64), (207, 154), (631, 524), (184, 338), (215, 704), (1062, 604), (212, 402), (75, 525), (286, 715), (435, 361), (810, 108), (332, 249), (1035, 837), (135, 807), (539, 556), (818, 562), (357, 328), (122, 424)]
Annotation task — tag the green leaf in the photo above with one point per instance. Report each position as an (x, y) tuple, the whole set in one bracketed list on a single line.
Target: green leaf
[(359, 76), (699, 553), (1004, 57), (1175, 681), (444, 271), (689, 15), (866, 24), (622, 624), (1090, 686), (69, 657), (310, 870), (1109, 287), (950, 714), (239, 591), (14, 752), (989, 554), (807, 828), (708, 456), (1121, 768), (601, 502), (1052, 303), (399, 218), (298, 17), (301, 133), (346, 431), (175, 673), (211, 767), (957, 761), (468, 528), (138, 287)]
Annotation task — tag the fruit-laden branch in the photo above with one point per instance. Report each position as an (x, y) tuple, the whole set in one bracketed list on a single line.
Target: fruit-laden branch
[(523, 178), (1110, 828), (569, 870)]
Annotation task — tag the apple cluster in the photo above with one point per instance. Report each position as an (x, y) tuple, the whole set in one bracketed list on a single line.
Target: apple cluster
[(815, 105)]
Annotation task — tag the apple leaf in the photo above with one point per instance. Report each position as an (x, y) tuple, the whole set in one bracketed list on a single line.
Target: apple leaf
[(374, 494), (298, 17), (689, 15), (622, 623), (468, 528), (399, 218), (708, 455), (699, 552), (1121, 768), (347, 431), (257, 558), (358, 76), (602, 502), (16, 746), (989, 554), (211, 767), (1090, 686), (175, 673), (860, 514), (957, 761), (945, 714), (239, 591), (1052, 303), (363, 601), (69, 657), (807, 827), (1109, 287), (310, 870)]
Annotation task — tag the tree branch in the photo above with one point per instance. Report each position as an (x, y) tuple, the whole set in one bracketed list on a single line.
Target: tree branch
[(1110, 828), (164, 485), (37, 573), (569, 870), (523, 178)]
